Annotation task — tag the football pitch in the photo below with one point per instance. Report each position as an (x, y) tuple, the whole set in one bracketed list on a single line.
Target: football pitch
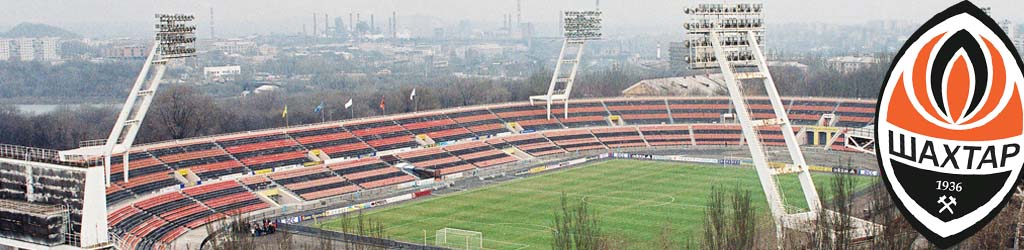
[(634, 200)]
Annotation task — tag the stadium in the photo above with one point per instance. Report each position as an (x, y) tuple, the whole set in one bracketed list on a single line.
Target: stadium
[(176, 187), (476, 177)]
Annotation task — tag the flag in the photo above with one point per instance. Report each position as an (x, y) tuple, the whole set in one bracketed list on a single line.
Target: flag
[(382, 103), (413, 94), (348, 104), (284, 113), (319, 108)]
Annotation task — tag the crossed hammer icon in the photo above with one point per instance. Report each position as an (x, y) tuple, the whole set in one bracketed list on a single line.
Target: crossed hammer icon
[(946, 204)]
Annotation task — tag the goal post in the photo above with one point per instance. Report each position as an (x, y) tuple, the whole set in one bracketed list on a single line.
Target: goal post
[(459, 239)]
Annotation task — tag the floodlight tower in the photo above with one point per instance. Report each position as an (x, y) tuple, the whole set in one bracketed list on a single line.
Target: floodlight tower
[(579, 27), (730, 37), (175, 38)]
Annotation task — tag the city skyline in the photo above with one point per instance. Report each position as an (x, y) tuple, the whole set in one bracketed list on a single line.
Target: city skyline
[(111, 18)]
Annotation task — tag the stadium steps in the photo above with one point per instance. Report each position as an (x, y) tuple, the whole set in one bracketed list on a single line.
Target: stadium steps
[(197, 201), (591, 133), (606, 110), (285, 191), (122, 202), (475, 135), (553, 142), (669, 109), (416, 136), (233, 158), (259, 195), (693, 140), (296, 142), (641, 133), (559, 121), (360, 139), (503, 121)]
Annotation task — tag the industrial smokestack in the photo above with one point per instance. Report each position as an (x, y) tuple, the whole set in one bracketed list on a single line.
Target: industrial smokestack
[(394, 24), (314, 24), (213, 35), (373, 27), (351, 24), (659, 51)]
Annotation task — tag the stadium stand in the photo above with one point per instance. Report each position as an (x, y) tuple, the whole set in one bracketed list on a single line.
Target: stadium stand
[(313, 182), (480, 121), (383, 135), (333, 140), (619, 137), (438, 127), (161, 219), (574, 140), (435, 159), (697, 111), (772, 135), (534, 144), (480, 154), (809, 111), (116, 194), (265, 151), (586, 114), (531, 118), (667, 135), (147, 173), (640, 111), (717, 134), (227, 197), (366, 152), (855, 114), (207, 160), (370, 173)]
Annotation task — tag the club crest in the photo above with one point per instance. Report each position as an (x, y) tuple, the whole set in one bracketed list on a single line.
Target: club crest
[(950, 123)]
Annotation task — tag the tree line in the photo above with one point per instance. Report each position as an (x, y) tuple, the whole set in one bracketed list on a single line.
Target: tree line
[(185, 110)]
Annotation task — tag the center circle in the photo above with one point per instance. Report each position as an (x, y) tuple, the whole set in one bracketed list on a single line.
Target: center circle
[(629, 199)]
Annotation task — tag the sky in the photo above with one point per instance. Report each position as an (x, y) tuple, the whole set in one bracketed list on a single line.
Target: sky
[(99, 18)]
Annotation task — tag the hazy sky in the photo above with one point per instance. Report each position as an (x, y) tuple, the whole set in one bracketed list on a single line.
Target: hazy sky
[(236, 17)]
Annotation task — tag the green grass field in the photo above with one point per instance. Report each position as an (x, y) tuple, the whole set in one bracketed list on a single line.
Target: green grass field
[(633, 198)]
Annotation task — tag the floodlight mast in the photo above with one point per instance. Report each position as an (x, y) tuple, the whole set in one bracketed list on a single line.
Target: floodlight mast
[(175, 38), (579, 26), (729, 37)]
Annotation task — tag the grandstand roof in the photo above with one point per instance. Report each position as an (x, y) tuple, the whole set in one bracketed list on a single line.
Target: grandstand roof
[(695, 85)]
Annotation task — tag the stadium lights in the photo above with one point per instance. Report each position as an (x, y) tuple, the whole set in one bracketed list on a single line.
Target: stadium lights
[(578, 28), (175, 36), (732, 23), (582, 25), (730, 38)]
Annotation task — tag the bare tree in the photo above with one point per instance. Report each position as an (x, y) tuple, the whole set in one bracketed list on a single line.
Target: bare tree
[(577, 227), (180, 112), (730, 221), (833, 232)]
